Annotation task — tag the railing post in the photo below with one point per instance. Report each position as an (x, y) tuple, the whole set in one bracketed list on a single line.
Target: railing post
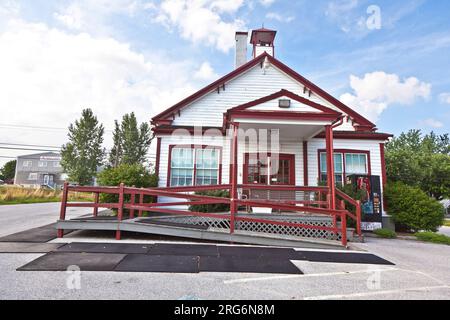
[(96, 196), (234, 193), (120, 211), (62, 212), (132, 201), (141, 202), (358, 218), (344, 228), (330, 166)]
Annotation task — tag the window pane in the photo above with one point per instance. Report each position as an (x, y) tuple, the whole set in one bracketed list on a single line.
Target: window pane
[(323, 162), (337, 163), (182, 167), (207, 164), (356, 163)]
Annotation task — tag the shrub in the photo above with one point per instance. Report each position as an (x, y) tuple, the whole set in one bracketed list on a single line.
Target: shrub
[(433, 237), (129, 174), (411, 208), (207, 208), (385, 233)]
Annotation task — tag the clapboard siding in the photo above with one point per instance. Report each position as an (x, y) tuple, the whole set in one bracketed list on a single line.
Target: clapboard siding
[(251, 85), (366, 145)]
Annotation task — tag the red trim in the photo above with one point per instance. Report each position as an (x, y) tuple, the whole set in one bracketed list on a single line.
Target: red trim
[(383, 165), (284, 115), (213, 86), (305, 163), (208, 131), (290, 157), (285, 93), (383, 172), (344, 151), (193, 146), (357, 135), (158, 155), (330, 166), (359, 118)]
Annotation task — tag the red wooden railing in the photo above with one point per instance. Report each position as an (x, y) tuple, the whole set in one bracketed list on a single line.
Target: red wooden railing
[(304, 200)]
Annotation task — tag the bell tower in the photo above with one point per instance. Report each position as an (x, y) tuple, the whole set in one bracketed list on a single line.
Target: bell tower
[(263, 40)]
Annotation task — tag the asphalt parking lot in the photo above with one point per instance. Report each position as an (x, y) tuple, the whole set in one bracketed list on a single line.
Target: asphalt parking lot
[(421, 271)]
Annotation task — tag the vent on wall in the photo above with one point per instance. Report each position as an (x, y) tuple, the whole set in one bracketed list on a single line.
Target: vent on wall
[(284, 103)]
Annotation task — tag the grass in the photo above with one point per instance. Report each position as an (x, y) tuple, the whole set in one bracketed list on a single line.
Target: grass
[(385, 233), (18, 195), (433, 237), (447, 223)]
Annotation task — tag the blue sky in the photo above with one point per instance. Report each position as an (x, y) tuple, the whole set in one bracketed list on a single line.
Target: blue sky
[(137, 55)]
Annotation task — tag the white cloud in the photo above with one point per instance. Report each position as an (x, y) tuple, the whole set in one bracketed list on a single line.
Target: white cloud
[(92, 16), (373, 93), (205, 72), (202, 22), (445, 97), (72, 17), (279, 17), (266, 3), (49, 75), (433, 123)]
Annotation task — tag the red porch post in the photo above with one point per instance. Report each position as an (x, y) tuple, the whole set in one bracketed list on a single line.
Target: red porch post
[(330, 166), (96, 198), (234, 173), (120, 211), (62, 212)]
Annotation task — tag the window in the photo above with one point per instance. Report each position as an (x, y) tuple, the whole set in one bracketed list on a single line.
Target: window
[(32, 176), (57, 164), (42, 164), (338, 167), (207, 166), (345, 164), (194, 166), (355, 163), (27, 163)]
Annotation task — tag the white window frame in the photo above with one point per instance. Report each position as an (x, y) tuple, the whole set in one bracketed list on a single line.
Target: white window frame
[(41, 164), (194, 168), (33, 176), (27, 163)]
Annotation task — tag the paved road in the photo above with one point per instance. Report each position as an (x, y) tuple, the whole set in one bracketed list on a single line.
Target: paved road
[(421, 272), (15, 218), (445, 230)]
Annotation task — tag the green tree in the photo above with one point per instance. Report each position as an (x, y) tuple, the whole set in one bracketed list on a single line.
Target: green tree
[(413, 209), (8, 171), (130, 142), (116, 151), (422, 161), (83, 154), (130, 175)]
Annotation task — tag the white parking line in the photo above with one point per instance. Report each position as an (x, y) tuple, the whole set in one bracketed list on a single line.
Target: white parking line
[(311, 275), (371, 293)]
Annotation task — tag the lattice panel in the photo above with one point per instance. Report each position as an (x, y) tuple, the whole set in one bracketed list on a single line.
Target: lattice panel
[(200, 221), (289, 230), (266, 228)]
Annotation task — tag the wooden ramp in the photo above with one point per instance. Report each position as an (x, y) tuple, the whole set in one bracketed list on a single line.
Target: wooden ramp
[(160, 226)]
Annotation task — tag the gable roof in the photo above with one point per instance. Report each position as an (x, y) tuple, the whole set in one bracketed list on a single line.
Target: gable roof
[(284, 93), (359, 119)]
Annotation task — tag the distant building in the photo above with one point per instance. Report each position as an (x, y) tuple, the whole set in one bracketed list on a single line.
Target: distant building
[(40, 170)]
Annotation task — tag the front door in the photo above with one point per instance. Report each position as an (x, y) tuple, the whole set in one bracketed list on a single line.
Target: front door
[(48, 180), (269, 169)]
